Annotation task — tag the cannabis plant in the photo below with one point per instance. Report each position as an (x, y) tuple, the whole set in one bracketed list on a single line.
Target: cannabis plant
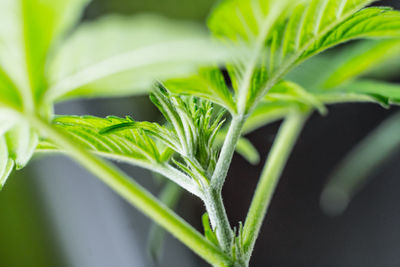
[(263, 75)]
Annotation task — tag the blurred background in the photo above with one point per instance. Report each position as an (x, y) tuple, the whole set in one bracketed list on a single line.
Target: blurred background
[(53, 213)]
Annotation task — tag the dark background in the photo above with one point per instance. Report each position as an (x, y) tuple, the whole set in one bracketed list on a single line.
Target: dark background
[(54, 214)]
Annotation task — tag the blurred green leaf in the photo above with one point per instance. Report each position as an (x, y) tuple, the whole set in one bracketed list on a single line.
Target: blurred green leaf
[(365, 159), (282, 99), (131, 52), (338, 66), (208, 232), (21, 141), (9, 95), (44, 23), (239, 20), (29, 32), (111, 56), (359, 59), (292, 92), (6, 164), (381, 92), (247, 150), (266, 113)]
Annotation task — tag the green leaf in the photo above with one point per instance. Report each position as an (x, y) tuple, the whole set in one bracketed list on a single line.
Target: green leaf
[(191, 130), (22, 141), (292, 92), (131, 52), (6, 164), (374, 22), (266, 113), (359, 59), (245, 148), (29, 31), (365, 158), (246, 20), (131, 145), (282, 41), (380, 92), (336, 67), (18, 142), (208, 232), (280, 101), (336, 72), (126, 144), (8, 92), (44, 22), (207, 84)]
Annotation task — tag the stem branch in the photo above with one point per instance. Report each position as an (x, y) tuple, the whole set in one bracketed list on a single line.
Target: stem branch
[(277, 159)]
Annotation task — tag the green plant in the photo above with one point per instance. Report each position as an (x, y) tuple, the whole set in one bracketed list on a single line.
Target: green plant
[(268, 39)]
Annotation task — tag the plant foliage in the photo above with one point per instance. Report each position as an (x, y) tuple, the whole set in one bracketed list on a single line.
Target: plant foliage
[(46, 57), (276, 43)]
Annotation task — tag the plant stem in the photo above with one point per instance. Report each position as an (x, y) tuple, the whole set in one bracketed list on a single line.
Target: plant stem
[(213, 198), (227, 150), (219, 219), (277, 159), (135, 195)]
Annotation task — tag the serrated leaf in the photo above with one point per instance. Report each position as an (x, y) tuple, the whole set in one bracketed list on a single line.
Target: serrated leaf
[(381, 92), (128, 145), (333, 68), (285, 40), (207, 84), (336, 74), (359, 59), (132, 146), (364, 159), (130, 54), (373, 22)]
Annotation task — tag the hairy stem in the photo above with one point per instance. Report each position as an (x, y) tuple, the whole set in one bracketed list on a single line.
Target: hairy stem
[(135, 195), (213, 198), (277, 159), (219, 219), (227, 151)]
